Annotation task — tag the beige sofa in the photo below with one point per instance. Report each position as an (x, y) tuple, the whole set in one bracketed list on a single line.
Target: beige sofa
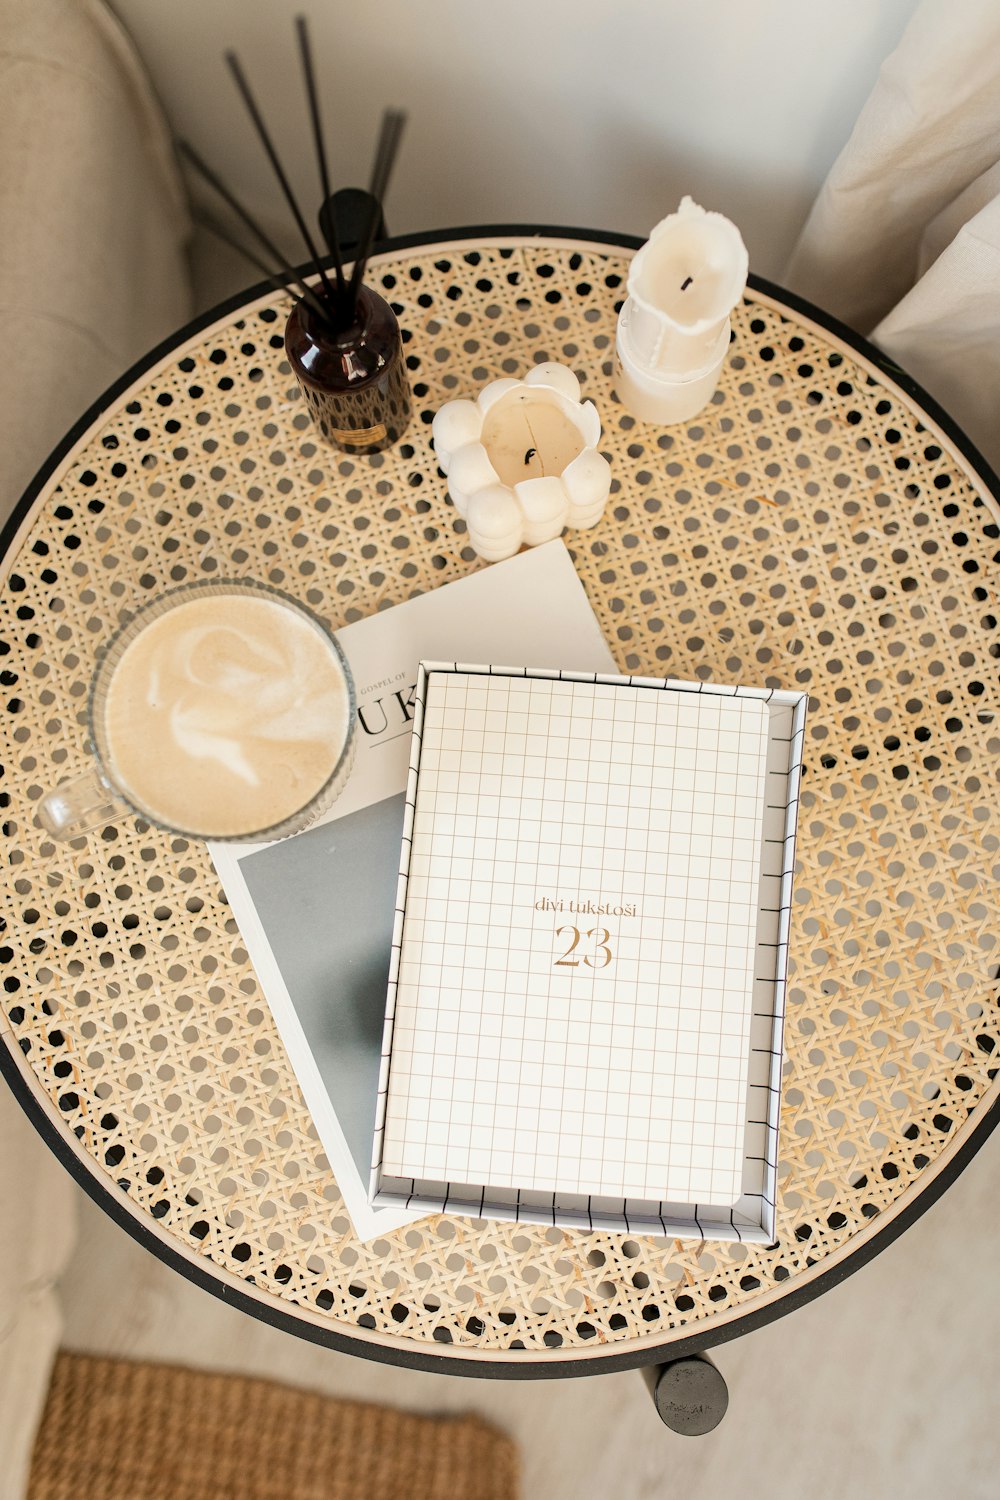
[(93, 271)]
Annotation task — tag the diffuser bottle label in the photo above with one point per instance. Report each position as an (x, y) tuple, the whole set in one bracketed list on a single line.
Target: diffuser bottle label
[(359, 437)]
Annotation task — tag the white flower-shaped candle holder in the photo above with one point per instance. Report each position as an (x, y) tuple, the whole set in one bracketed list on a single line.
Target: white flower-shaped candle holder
[(522, 460)]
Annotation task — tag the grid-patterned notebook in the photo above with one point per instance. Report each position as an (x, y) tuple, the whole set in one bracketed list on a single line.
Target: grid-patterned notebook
[(575, 974)]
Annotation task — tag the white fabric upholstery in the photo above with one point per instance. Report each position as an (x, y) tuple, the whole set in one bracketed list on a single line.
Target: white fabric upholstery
[(903, 241), (92, 272)]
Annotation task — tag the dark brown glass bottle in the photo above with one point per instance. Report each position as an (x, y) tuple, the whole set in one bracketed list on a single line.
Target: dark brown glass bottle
[(354, 379)]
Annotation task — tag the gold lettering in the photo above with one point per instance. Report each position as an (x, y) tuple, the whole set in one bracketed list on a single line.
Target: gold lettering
[(602, 946), (571, 963)]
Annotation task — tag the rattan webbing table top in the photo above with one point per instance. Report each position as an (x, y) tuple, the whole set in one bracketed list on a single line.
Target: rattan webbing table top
[(812, 529)]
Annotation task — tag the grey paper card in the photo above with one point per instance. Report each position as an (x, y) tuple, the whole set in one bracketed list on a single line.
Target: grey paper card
[(326, 904)]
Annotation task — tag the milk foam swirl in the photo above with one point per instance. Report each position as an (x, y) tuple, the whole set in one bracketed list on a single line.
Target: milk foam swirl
[(233, 708), (240, 689)]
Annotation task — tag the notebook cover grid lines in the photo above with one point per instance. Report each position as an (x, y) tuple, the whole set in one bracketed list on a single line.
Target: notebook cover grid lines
[(442, 1129)]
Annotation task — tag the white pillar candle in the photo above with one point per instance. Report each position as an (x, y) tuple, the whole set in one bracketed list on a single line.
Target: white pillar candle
[(522, 460), (673, 331)]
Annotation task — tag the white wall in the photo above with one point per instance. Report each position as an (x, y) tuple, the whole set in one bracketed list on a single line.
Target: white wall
[(582, 112)]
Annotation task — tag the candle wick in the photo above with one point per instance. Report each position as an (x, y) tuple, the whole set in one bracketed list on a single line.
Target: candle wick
[(686, 284), (533, 452)]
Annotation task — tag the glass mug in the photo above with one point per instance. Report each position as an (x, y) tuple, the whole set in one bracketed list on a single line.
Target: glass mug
[(220, 710)]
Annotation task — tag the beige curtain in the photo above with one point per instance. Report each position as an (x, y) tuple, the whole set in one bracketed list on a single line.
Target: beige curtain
[(903, 242)]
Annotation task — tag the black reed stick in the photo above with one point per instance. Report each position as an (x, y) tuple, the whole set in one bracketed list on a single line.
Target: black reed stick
[(280, 283), (390, 134), (305, 51), (216, 183), (248, 99)]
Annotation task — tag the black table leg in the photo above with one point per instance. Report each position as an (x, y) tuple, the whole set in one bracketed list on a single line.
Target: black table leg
[(690, 1394)]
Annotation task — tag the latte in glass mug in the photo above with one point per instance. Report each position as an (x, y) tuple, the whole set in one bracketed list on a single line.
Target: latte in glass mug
[(221, 710)]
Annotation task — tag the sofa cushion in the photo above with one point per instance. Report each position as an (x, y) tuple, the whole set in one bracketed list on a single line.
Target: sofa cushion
[(92, 273)]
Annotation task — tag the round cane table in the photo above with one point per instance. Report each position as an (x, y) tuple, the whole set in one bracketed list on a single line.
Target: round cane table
[(821, 525)]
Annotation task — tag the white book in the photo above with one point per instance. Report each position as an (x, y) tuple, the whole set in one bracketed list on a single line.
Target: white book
[(586, 997), (576, 971), (316, 910)]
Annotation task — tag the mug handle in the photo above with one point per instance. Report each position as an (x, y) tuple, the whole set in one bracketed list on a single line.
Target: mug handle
[(78, 806)]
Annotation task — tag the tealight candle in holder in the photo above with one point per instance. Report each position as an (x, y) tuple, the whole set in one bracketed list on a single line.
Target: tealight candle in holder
[(673, 331), (522, 460)]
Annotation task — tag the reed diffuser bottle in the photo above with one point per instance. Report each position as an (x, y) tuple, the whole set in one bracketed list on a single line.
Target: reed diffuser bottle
[(352, 371), (342, 339)]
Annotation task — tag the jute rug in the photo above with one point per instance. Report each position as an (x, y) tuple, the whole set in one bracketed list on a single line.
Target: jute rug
[(113, 1430)]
